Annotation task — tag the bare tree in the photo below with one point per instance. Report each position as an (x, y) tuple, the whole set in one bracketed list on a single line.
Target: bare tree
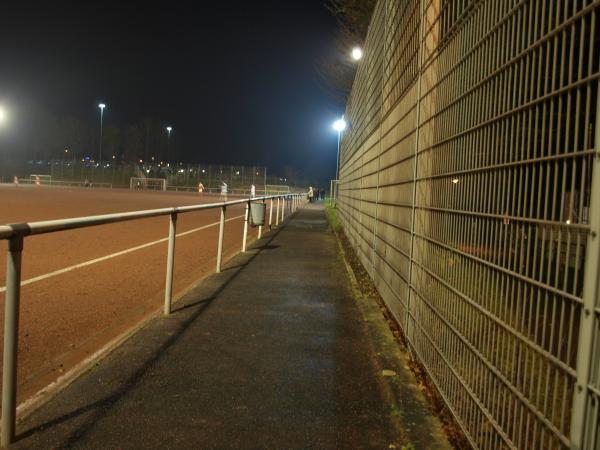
[(353, 18)]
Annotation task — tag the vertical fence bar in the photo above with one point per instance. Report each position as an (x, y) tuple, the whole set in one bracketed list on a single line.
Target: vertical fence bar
[(277, 213), (415, 173), (271, 213), (220, 245), (590, 295), (260, 226), (11, 339), (245, 237), (283, 201), (170, 264)]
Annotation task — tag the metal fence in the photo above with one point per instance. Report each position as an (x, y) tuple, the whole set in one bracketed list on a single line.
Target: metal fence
[(15, 234), (118, 173), (470, 189)]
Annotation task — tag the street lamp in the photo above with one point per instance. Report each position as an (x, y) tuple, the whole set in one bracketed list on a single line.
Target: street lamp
[(101, 106), (169, 142), (339, 126), (357, 53)]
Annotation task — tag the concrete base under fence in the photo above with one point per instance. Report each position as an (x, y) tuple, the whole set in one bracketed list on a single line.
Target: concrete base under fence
[(271, 353)]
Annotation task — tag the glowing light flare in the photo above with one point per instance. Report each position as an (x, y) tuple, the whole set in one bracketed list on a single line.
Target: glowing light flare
[(357, 53), (339, 125)]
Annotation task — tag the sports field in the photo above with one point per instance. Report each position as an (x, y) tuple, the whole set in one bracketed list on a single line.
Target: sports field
[(83, 288)]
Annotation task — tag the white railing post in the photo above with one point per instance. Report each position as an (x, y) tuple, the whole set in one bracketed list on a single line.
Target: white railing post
[(220, 245), (260, 226), (11, 339), (271, 213), (244, 239), (283, 201), (170, 264), (277, 214)]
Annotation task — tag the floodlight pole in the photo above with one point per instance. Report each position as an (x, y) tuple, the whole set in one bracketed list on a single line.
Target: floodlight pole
[(101, 106), (169, 142), (337, 161)]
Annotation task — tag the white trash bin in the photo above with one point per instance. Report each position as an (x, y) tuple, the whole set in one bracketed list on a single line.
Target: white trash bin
[(257, 214)]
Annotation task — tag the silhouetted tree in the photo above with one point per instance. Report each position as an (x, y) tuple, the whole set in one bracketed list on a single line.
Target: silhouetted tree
[(133, 143), (353, 18)]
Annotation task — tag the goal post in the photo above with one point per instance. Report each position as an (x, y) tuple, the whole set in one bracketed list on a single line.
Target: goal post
[(40, 179), (156, 184), (275, 189)]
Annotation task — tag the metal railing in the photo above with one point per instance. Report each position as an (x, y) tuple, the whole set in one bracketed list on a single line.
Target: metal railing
[(15, 234), (470, 189)]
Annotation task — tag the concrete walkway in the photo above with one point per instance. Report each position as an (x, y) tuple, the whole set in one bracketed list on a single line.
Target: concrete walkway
[(272, 353)]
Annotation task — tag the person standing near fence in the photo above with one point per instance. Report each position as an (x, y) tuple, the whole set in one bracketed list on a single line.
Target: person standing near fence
[(200, 189), (252, 191), (311, 194), (224, 192)]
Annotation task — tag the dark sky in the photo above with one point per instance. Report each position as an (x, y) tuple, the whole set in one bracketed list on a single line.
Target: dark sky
[(236, 80)]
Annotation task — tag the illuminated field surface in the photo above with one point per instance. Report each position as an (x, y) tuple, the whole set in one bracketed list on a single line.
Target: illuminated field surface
[(68, 316)]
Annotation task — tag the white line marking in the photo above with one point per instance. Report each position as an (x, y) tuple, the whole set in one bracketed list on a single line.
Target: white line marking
[(114, 255)]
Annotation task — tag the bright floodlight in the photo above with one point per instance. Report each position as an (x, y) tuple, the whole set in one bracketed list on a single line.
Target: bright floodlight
[(357, 53), (339, 125), (169, 129), (101, 106), (2, 115)]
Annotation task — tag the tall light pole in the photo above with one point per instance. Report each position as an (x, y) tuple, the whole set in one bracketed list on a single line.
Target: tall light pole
[(339, 126), (169, 142), (101, 106)]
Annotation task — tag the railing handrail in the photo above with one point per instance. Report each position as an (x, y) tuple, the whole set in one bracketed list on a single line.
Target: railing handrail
[(17, 232), (49, 226)]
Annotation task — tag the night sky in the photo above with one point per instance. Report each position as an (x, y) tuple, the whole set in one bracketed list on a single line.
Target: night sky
[(238, 81)]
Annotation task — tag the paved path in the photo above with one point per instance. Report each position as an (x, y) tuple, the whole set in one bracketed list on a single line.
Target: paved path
[(272, 353)]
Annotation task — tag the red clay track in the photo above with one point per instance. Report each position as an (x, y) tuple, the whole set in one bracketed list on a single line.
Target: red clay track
[(68, 317)]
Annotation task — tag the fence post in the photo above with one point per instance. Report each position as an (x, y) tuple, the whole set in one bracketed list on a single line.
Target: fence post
[(581, 425), (11, 339), (244, 239), (170, 263), (282, 209), (220, 245), (277, 214), (271, 213), (260, 226)]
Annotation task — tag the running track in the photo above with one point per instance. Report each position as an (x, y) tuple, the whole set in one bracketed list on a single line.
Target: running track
[(84, 288)]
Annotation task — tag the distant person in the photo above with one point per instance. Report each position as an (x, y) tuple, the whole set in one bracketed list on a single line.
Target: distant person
[(322, 194), (86, 183), (200, 188), (224, 192), (311, 194), (16, 181), (252, 191)]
